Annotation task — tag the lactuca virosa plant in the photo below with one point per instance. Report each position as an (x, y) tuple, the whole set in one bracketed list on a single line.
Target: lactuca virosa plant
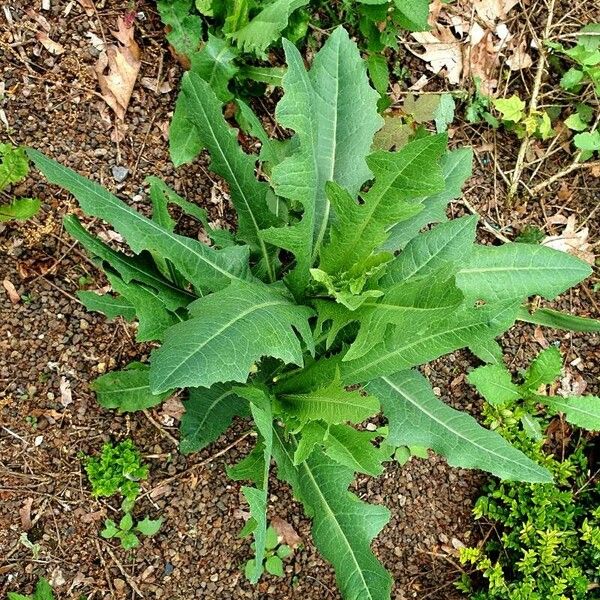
[(314, 315), (545, 542)]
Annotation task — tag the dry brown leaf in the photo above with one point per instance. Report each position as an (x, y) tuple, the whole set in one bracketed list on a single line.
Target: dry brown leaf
[(520, 59), (88, 7), (173, 407), (595, 170), (442, 51), (118, 67), (492, 10), (50, 45), (538, 336), (286, 532), (11, 291), (572, 241), (66, 397), (25, 514)]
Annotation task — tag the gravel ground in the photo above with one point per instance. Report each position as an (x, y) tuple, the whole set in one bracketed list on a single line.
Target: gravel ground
[(48, 341)]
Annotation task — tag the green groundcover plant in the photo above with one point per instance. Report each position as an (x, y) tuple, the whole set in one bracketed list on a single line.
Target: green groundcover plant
[(14, 168), (312, 317), (226, 42), (545, 537)]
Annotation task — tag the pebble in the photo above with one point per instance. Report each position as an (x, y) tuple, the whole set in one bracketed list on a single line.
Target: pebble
[(119, 173)]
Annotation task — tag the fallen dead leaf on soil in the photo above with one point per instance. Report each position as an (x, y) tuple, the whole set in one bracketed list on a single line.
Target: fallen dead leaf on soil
[(25, 514), (173, 407), (520, 58), (286, 532), (442, 51), (538, 336), (66, 396), (572, 241), (50, 45), (492, 10), (11, 291), (118, 67), (88, 7)]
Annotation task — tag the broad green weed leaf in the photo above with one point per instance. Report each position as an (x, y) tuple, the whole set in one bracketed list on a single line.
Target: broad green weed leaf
[(588, 141), (343, 526), (443, 249), (251, 467), (215, 64), (331, 404), (495, 384), (266, 26), (456, 169), (184, 27), (110, 306), (127, 390), (227, 333), (413, 14), (129, 268), (581, 411), (204, 113), (403, 349), (20, 209), (208, 414), (202, 266), (148, 526), (544, 370), (496, 273), (361, 228), (153, 317), (418, 418), (332, 110)]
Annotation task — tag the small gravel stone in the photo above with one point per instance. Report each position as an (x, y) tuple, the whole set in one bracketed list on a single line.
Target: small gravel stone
[(120, 173)]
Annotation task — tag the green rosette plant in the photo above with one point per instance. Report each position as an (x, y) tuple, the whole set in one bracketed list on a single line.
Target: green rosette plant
[(314, 315)]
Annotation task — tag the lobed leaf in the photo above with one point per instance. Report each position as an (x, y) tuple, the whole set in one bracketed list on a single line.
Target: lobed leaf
[(495, 384), (418, 418), (227, 333), (581, 411)]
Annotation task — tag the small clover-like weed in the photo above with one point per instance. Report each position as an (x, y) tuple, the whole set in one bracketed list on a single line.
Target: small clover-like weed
[(118, 470), (14, 168), (275, 553)]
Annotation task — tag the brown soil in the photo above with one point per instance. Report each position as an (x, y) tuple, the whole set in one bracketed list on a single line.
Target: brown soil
[(48, 338)]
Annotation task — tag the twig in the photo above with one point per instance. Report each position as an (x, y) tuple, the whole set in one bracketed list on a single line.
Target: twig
[(537, 84), (15, 435), (161, 429), (132, 584), (574, 166), (486, 225)]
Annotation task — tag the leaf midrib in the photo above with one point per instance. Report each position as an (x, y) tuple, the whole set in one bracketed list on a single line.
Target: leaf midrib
[(454, 431)]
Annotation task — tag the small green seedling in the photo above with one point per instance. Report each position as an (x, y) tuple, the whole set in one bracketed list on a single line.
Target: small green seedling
[(43, 591), (126, 530), (118, 470), (516, 118), (275, 553), (14, 167), (511, 402)]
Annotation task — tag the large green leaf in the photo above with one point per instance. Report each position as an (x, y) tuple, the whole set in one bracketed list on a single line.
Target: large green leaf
[(204, 113), (404, 349), (332, 404), (333, 112), (153, 317), (343, 525), (208, 413), (202, 266), (110, 306), (360, 228), (442, 249), (215, 64), (418, 418), (515, 270), (266, 26), (229, 331), (456, 169), (127, 390), (129, 268), (581, 411)]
